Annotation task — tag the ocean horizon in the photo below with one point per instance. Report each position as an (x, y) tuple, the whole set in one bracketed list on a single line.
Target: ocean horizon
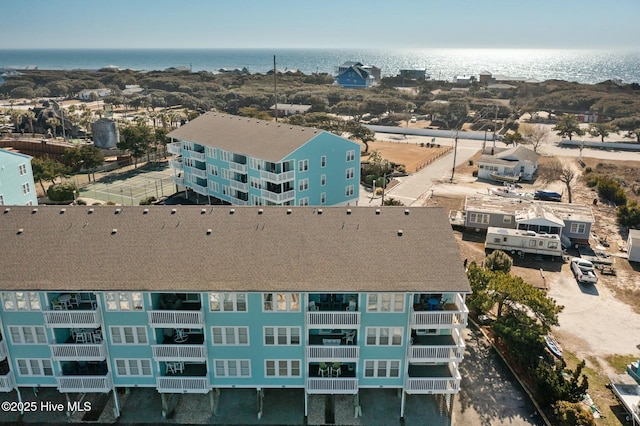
[(576, 65)]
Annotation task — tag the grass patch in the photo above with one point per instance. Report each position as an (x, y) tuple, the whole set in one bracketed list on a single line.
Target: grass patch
[(620, 362)]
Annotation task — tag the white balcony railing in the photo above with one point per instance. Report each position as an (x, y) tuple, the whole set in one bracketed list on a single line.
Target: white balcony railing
[(202, 190), (84, 384), (240, 186), (7, 382), (277, 177), (237, 167), (174, 148), (237, 201), (440, 385), (176, 164), (278, 198), (199, 173), (79, 352), (341, 385), (182, 384), (4, 351), (179, 353), (454, 315), (177, 180), (73, 319), (199, 156), (332, 319), (424, 353), (344, 353), (176, 319)]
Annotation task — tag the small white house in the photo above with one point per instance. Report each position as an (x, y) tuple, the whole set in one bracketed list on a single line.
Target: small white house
[(517, 161), (85, 94), (633, 245)]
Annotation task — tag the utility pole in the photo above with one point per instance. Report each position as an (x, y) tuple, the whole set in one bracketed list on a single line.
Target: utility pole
[(495, 121), (275, 87), (455, 151)]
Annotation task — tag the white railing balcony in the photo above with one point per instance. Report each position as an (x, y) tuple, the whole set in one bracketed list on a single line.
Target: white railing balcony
[(73, 319), (278, 198), (240, 186), (7, 382), (179, 353), (178, 180), (176, 164), (277, 177), (344, 353), (79, 352), (237, 201), (176, 319), (202, 190), (198, 173), (426, 353), (183, 384), (198, 156), (237, 167), (4, 350), (174, 148), (332, 385), (433, 385), (454, 315), (84, 384), (333, 319)]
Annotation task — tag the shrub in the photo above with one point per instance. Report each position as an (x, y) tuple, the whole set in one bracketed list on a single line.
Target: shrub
[(572, 414), (110, 203), (81, 202), (61, 191), (588, 170), (498, 261), (421, 144), (379, 191), (471, 162), (147, 201), (629, 214)]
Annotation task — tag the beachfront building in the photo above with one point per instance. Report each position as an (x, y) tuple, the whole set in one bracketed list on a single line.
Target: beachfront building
[(198, 300), (514, 162), (89, 94), (357, 75), (17, 186), (244, 161)]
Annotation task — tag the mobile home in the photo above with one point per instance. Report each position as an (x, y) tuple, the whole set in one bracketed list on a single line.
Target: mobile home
[(516, 241)]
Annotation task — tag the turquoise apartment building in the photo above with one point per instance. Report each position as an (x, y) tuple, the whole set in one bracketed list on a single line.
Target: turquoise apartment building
[(193, 299), (244, 161), (17, 186)]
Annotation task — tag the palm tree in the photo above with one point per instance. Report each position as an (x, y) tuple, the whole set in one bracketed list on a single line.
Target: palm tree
[(30, 116), (53, 123)]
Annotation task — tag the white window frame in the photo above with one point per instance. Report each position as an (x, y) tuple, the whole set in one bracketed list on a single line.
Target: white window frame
[(224, 155), (382, 368), (482, 218), (226, 174), (212, 152), (323, 161), (282, 368), (227, 302), (213, 170), (126, 367), (28, 335), (506, 219), (578, 228), (1, 199), (281, 302), (351, 155), (214, 186), (351, 172), (303, 165), (227, 367), (118, 334), (323, 198), (384, 336), (21, 301), (385, 302), (303, 201), (25, 188), (123, 301), (230, 336), (303, 185), (323, 180), (255, 182), (349, 190), (281, 336), (34, 367), (189, 162), (22, 168)]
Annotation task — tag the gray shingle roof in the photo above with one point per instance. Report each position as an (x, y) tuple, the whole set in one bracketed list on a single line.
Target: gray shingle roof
[(280, 249), (257, 138)]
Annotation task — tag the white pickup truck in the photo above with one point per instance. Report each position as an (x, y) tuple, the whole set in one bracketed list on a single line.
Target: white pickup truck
[(583, 270)]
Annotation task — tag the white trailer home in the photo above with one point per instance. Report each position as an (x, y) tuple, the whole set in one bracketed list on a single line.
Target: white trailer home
[(516, 241)]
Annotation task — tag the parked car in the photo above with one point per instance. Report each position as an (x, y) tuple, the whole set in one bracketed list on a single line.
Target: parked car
[(583, 270), (547, 196)]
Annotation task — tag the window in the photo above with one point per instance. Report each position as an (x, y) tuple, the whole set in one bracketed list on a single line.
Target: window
[(21, 301), (323, 197), (552, 244), (384, 336), (213, 186), (350, 173), (351, 155), (25, 188), (230, 336), (226, 174), (381, 368), (283, 302), (479, 218), (128, 335), (278, 336), (348, 192), (213, 170), (34, 367), (303, 201), (1, 200), (23, 169), (189, 162), (224, 155), (385, 302), (506, 219), (212, 152), (27, 335), (323, 180), (323, 161), (303, 165), (228, 302), (578, 228), (256, 164), (303, 185), (282, 368), (133, 367), (255, 182), (232, 367), (123, 301), (188, 146)]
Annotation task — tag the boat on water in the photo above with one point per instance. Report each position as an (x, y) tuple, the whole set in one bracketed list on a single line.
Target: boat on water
[(633, 371), (553, 345), (511, 193), (504, 178)]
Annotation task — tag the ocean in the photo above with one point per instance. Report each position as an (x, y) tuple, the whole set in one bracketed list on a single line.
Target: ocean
[(582, 66)]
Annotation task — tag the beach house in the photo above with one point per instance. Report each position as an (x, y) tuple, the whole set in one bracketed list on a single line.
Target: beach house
[(17, 186), (243, 161), (513, 162), (357, 75), (194, 300)]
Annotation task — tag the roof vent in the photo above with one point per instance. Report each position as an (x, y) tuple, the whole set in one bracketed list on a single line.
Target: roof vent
[(20, 231), (377, 211), (7, 210), (34, 211), (62, 211), (232, 211), (145, 211), (399, 232), (319, 211), (348, 211), (203, 211), (114, 231), (90, 211), (117, 211), (260, 211), (209, 231), (288, 211), (406, 212), (174, 211)]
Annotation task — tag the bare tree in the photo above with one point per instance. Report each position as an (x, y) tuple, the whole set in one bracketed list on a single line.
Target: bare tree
[(557, 172), (534, 135)]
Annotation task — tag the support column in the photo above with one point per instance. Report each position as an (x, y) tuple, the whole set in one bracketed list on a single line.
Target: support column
[(66, 395), (116, 403), (260, 394), (306, 403), (165, 405), (356, 403), (35, 392), (214, 397), (402, 404)]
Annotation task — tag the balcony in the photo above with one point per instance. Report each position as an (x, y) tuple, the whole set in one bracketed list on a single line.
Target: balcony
[(178, 180), (193, 353), (75, 318), (198, 173), (79, 352), (447, 315), (337, 385), (333, 319), (278, 198), (239, 186), (84, 384), (198, 156), (438, 348), (176, 319), (237, 167), (176, 164), (237, 201), (182, 384), (4, 351), (433, 379), (202, 190), (344, 353), (277, 177), (7, 382), (174, 148)]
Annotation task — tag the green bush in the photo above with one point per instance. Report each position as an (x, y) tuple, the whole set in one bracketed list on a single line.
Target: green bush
[(629, 214), (147, 201), (572, 414), (62, 191), (498, 261), (474, 173), (81, 202), (588, 170)]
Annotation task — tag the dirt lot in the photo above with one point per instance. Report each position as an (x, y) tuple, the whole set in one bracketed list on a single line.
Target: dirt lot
[(406, 152)]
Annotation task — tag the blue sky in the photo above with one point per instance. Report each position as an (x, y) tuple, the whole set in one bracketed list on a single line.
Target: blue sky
[(318, 24)]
